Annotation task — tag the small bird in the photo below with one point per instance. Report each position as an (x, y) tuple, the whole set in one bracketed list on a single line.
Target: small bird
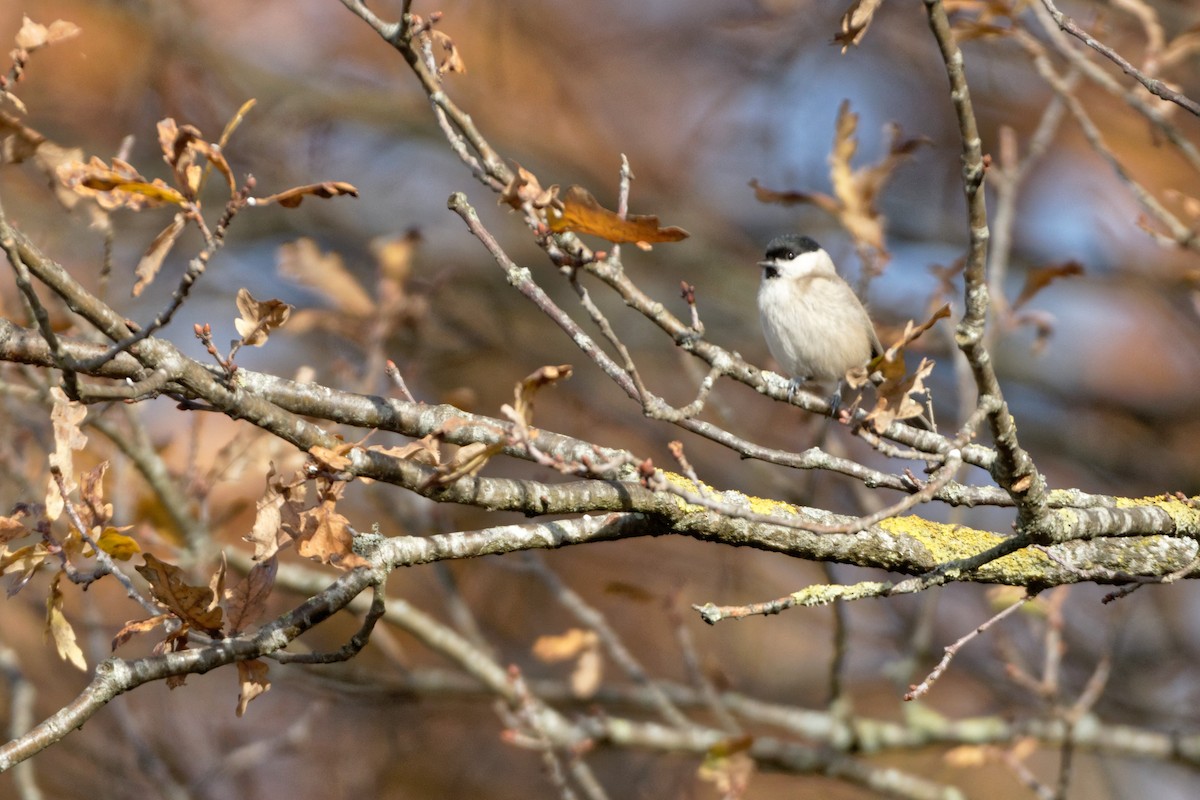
[(814, 323)]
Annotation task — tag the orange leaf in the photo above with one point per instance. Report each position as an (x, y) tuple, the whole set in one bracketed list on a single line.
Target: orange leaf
[(579, 212), (294, 197), (192, 604)]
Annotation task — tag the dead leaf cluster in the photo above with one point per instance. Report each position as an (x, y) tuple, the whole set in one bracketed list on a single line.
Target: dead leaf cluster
[(854, 202)]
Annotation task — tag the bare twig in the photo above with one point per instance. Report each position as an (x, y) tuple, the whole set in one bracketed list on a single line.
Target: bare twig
[(1153, 85)]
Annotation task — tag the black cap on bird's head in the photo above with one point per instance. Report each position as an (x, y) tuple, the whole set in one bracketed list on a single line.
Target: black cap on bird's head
[(788, 246)]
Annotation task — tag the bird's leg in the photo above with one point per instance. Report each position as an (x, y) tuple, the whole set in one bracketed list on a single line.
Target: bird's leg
[(835, 401)]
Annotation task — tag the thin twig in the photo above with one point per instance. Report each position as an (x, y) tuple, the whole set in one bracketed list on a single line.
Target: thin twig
[(1153, 85)]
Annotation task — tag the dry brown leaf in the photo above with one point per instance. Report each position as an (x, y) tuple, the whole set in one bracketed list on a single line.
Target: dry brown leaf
[(152, 260), (182, 145), (216, 583), (25, 560), (259, 318), (895, 397), (453, 61), (60, 630), (325, 534), (95, 512), (332, 459), (529, 386), (578, 211), (12, 527), (792, 198), (303, 262), (912, 332), (252, 681), (855, 191), (17, 140), (468, 460), (66, 415), (136, 626), (192, 604), (267, 533), (31, 36), (291, 198), (1041, 277), (247, 601), (855, 22), (524, 188)]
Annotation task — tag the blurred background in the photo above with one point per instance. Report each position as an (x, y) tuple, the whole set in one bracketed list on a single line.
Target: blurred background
[(702, 96)]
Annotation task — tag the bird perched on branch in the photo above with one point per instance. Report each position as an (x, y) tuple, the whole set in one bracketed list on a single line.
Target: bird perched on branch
[(814, 323)]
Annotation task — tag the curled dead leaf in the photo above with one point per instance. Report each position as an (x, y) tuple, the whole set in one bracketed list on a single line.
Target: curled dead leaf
[(855, 22), (66, 417), (325, 534), (137, 626), (252, 681), (60, 630), (453, 61), (467, 460), (529, 386), (524, 188), (192, 604), (579, 212), (259, 318), (152, 260), (247, 601), (333, 460), (291, 198), (895, 397)]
